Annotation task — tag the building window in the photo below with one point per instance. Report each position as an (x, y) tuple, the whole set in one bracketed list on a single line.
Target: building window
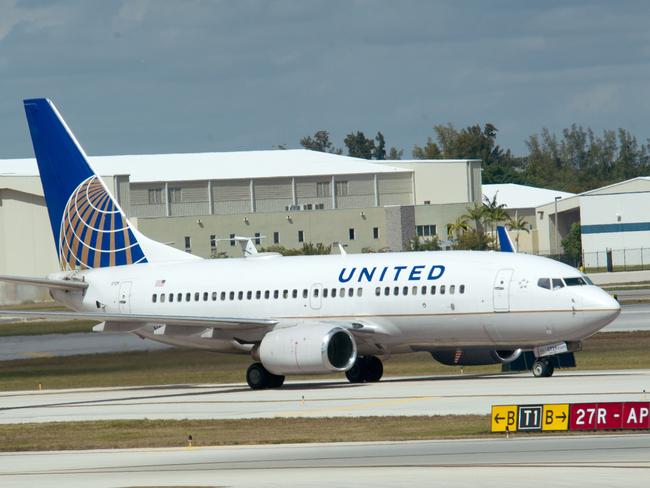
[(175, 195), (323, 189), (188, 244), (307, 206), (232, 240), (155, 195), (257, 238), (351, 234), (301, 236), (427, 202), (213, 242), (276, 238), (319, 206), (341, 188), (375, 232), (425, 230)]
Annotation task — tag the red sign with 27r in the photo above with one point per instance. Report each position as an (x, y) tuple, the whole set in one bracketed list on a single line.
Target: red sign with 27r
[(610, 415)]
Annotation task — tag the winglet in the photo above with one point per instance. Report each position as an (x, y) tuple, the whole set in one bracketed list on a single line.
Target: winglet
[(505, 243)]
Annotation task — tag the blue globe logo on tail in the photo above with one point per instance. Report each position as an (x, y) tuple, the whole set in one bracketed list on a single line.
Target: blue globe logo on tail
[(94, 232)]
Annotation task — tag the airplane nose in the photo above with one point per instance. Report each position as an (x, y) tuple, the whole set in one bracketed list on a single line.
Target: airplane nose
[(604, 304)]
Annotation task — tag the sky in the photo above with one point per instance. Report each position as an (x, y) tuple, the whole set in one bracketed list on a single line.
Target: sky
[(135, 77)]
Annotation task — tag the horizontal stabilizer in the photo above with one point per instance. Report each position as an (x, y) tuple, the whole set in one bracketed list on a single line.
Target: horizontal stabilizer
[(45, 282), (144, 319)]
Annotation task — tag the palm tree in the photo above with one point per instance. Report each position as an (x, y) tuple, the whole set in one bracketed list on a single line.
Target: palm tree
[(495, 212), (457, 227), (477, 214), (518, 224)]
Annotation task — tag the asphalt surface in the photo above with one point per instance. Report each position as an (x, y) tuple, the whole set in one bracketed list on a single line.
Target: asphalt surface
[(469, 394), (597, 461), (632, 317)]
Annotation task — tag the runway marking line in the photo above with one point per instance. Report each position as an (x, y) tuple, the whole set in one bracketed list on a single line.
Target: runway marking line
[(357, 406)]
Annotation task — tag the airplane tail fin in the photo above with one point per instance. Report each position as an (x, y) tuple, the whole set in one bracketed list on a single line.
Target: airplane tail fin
[(89, 227), (505, 243)]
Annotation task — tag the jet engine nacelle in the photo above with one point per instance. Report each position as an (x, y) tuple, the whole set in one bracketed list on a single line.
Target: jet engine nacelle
[(308, 349), (475, 357)]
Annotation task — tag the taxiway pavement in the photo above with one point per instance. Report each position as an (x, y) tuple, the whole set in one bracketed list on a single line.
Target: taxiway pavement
[(597, 461), (435, 395)]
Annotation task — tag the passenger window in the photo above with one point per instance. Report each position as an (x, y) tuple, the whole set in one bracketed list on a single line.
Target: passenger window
[(196, 296), (333, 292), (396, 291), (405, 290), (154, 298), (240, 295), (461, 289), (276, 294), (162, 298), (452, 289), (214, 296), (359, 292), (249, 295), (387, 291), (223, 296), (442, 289), (433, 289), (294, 293), (377, 292), (316, 292), (325, 291), (557, 283), (342, 292), (188, 297), (350, 292), (285, 294), (267, 294), (305, 293), (179, 297), (423, 290), (258, 294), (171, 297), (414, 290), (205, 296), (544, 283), (232, 295)]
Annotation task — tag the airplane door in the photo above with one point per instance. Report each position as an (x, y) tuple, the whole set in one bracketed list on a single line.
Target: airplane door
[(124, 297), (315, 296), (501, 292)]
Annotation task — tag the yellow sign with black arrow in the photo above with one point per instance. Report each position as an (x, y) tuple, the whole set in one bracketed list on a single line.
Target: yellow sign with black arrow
[(504, 418)]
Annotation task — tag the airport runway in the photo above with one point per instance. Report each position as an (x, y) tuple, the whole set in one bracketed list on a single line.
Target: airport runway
[(598, 461), (392, 396), (633, 317)]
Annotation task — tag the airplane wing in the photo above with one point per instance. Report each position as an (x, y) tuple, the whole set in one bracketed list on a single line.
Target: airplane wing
[(45, 282), (140, 320)]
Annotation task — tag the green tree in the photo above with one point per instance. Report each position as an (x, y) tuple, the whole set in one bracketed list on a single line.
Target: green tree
[(359, 146), (518, 224), (379, 151), (418, 244), (320, 141), (394, 154), (572, 243), (474, 240)]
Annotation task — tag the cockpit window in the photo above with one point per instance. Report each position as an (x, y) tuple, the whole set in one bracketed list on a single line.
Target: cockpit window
[(544, 283), (557, 283), (587, 280), (574, 281)]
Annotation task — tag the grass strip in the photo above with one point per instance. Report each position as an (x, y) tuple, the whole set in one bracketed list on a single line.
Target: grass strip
[(609, 350), (174, 433), (45, 327)]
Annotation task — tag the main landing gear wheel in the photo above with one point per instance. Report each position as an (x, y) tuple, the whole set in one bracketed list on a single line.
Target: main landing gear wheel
[(543, 368), (259, 378), (366, 369)]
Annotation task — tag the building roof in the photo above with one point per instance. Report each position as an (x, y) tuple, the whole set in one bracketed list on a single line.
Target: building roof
[(521, 196), (216, 165)]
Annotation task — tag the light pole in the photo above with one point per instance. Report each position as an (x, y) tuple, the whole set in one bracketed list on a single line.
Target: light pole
[(557, 246)]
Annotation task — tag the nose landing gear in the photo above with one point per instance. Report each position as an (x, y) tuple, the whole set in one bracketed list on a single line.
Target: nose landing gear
[(543, 368)]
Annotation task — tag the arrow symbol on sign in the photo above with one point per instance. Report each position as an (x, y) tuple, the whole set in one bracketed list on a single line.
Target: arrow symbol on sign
[(498, 418), (562, 417)]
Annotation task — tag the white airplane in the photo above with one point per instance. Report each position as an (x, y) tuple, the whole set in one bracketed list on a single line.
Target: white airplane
[(305, 314)]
